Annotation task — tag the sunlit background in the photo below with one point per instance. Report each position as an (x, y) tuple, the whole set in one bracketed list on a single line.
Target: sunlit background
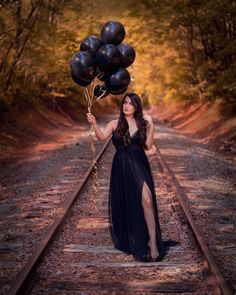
[(185, 50)]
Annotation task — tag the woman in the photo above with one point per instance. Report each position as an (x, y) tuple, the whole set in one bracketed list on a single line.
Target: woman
[(133, 216)]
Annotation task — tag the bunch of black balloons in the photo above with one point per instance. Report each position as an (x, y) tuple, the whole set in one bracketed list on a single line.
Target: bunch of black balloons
[(105, 58)]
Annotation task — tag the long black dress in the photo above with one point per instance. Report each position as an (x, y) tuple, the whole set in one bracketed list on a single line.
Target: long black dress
[(127, 224)]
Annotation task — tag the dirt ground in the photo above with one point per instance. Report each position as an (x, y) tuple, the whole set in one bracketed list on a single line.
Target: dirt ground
[(33, 132), (204, 123), (36, 145)]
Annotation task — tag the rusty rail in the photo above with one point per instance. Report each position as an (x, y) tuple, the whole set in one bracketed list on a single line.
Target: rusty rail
[(24, 274), (181, 194)]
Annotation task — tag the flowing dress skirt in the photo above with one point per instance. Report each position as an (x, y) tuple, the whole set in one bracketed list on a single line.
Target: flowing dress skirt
[(128, 228)]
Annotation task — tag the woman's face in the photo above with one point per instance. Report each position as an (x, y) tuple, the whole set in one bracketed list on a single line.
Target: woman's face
[(128, 107)]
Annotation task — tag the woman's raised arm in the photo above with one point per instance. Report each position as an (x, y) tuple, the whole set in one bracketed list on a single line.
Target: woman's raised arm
[(102, 134)]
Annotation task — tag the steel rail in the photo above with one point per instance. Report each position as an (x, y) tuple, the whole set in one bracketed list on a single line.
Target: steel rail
[(181, 196), (24, 275)]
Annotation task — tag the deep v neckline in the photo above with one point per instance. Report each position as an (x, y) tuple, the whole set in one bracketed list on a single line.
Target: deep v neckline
[(133, 133)]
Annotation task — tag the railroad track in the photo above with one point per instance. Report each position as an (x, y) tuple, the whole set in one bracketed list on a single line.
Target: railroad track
[(76, 254)]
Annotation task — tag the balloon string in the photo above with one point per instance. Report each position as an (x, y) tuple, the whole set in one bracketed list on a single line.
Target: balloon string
[(100, 95), (99, 75), (94, 162), (90, 99)]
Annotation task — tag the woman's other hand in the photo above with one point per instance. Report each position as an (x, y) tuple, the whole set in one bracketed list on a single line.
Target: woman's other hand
[(91, 119)]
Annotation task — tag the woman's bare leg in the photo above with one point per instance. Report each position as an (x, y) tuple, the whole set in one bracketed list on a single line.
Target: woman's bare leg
[(150, 219)]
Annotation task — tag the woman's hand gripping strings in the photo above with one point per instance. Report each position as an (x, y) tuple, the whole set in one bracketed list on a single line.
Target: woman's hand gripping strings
[(101, 134)]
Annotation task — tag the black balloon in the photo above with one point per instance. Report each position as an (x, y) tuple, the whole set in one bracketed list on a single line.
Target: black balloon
[(118, 81), (91, 44), (120, 91), (100, 90), (108, 58), (83, 66), (80, 81), (127, 54), (101, 76), (113, 32)]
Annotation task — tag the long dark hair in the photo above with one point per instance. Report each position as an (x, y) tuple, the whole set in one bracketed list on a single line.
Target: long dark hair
[(123, 127)]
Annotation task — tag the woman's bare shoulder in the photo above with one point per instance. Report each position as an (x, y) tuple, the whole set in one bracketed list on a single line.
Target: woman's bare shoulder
[(113, 123), (147, 117)]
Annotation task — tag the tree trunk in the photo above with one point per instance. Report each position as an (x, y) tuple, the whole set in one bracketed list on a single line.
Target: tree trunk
[(21, 49)]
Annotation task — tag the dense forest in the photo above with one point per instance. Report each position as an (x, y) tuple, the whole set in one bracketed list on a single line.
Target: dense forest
[(185, 49)]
